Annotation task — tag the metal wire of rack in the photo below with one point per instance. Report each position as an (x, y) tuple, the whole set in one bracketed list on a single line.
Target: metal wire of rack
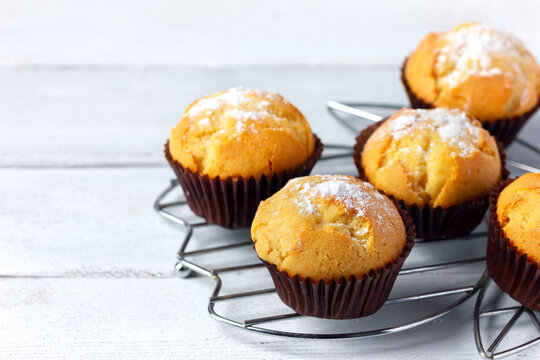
[(516, 311), (188, 264)]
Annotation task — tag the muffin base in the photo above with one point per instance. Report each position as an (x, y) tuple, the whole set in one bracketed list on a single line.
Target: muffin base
[(504, 130), (232, 203), (434, 223), (509, 268), (344, 298)]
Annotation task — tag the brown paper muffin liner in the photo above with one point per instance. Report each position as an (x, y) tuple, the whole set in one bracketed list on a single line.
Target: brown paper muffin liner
[(342, 298), (504, 130), (509, 267), (435, 223), (232, 203)]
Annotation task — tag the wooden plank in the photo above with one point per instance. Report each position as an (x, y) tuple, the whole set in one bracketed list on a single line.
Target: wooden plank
[(243, 32), (101, 222), (122, 116), (166, 318), (81, 221), (111, 116), (85, 262), (88, 222)]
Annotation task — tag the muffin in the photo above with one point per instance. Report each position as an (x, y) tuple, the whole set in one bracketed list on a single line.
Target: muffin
[(485, 72), (513, 250), (333, 245), (440, 164), (235, 148)]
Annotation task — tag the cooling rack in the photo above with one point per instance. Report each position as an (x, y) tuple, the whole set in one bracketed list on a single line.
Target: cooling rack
[(516, 313), (497, 311), (250, 302)]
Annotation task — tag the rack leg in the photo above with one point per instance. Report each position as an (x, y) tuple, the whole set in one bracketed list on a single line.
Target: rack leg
[(182, 271)]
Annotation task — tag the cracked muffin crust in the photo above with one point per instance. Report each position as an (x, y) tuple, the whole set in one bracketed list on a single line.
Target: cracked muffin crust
[(438, 157), (241, 133), (328, 227), (518, 214), (488, 73)]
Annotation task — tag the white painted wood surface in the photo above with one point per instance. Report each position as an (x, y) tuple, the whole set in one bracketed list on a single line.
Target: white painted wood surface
[(241, 32), (88, 94), (86, 264)]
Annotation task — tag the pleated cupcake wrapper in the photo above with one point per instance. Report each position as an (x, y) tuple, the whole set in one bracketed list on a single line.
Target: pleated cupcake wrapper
[(342, 299), (435, 223), (504, 130), (232, 203), (510, 269)]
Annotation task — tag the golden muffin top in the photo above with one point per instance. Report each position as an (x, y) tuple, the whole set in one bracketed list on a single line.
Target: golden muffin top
[(473, 67), (241, 133), (518, 212), (328, 227), (437, 157)]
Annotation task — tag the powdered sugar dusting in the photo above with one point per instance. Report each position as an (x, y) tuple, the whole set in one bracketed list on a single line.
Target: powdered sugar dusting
[(360, 199), (204, 122), (204, 105), (403, 124), (355, 197), (469, 52), (452, 125), (524, 98), (229, 103), (242, 115), (351, 196)]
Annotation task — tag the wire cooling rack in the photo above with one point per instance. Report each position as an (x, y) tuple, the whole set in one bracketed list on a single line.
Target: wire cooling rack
[(227, 257), (497, 311)]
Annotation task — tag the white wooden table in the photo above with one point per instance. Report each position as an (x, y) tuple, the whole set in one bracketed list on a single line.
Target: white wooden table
[(86, 265)]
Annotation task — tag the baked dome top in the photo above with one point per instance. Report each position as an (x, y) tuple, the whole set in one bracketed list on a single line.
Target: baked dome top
[(486, 72), (241, 133), (518, 212), (437, 157), (328, 227)]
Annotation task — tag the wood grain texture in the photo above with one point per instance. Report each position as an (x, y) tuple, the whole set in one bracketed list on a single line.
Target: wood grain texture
[(241, 32), (122, 116), (166, 319), (85, 262), (116, 117)]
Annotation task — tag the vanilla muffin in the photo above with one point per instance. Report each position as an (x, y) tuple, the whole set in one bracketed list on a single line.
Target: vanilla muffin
[(438, 158), (241, 133), (327, 231), (513, 252), (518, 213), (483, 71), (233, 149), (328, 227)]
